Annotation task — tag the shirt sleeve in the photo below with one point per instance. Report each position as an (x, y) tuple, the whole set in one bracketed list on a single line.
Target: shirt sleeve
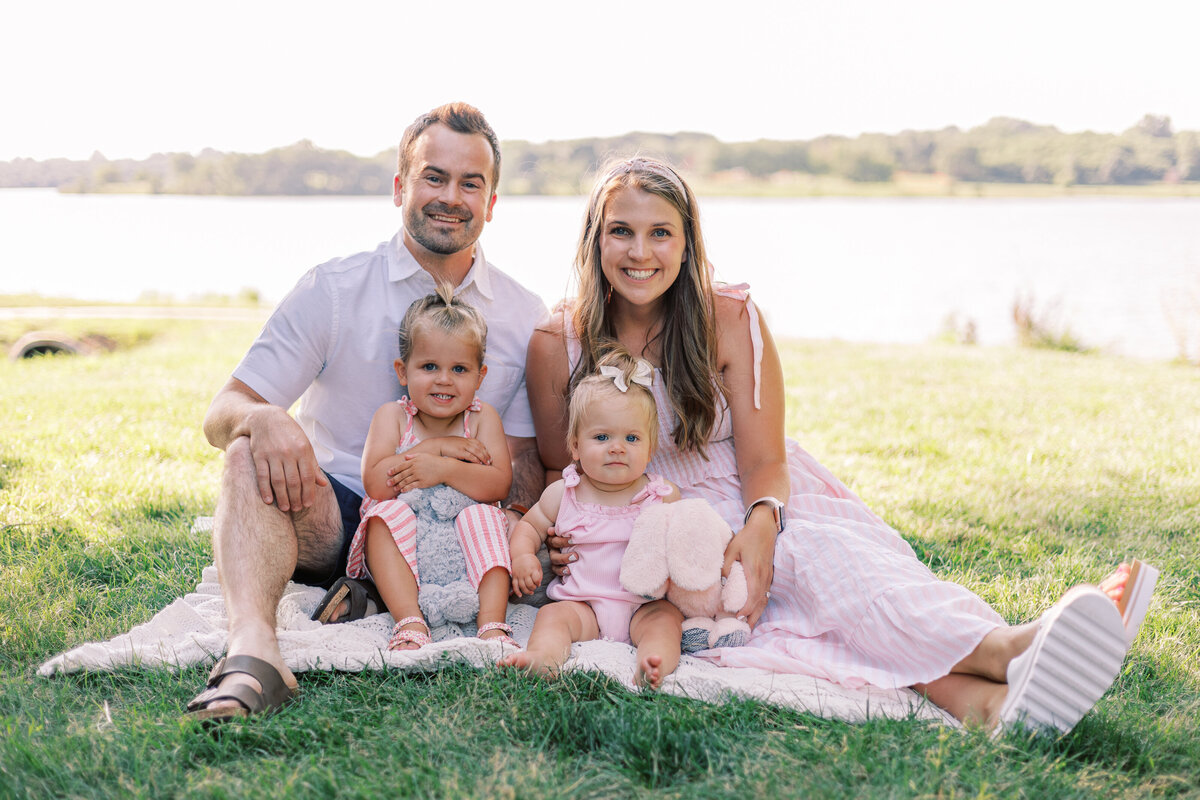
[(291, 350), (517, 417)]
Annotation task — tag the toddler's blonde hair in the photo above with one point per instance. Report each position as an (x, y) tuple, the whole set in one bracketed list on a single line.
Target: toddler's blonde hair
[(444, 312)]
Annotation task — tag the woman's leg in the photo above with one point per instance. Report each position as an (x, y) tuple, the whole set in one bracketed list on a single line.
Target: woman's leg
[(393, 577), (972, 700), (556, 627), (656, 630), (1068, 659)]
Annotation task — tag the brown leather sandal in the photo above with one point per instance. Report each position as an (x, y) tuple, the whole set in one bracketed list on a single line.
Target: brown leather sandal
[(358, 590), (275, 693)]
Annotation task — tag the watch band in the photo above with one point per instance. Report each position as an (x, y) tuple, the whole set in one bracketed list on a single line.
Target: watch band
[(778, 510)]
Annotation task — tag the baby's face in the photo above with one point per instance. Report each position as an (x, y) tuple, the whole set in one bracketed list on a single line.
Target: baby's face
[(613, 445)]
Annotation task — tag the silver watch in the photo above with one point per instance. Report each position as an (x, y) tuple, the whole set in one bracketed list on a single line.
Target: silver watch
[(778, 509)]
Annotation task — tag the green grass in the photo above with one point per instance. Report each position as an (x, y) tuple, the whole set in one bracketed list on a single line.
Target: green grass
[(1016, 472)]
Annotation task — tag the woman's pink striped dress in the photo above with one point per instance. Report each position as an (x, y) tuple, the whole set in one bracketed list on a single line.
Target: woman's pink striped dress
[(850, 601)]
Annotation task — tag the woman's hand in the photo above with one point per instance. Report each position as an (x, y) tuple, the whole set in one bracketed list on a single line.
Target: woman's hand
[(754, 546), (560, 560)]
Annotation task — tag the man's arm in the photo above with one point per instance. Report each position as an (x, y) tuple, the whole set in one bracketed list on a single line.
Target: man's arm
[(529, 478), (284, 462)]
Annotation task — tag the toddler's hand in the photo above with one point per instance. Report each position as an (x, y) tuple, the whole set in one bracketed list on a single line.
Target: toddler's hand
[(470, 450), (419, 471), (526, 574)]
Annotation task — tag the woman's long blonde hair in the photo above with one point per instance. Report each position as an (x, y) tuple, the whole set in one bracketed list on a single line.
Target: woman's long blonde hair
[(687, 333)]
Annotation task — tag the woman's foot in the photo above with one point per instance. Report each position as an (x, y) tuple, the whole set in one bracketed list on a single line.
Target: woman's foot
[(1131, 587), (408, 634), (1114, 584), (1075, 656)]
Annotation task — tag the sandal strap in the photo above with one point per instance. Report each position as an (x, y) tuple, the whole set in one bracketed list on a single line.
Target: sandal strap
[(400, 637), (274, 691), (411, 621), (495, 626), (250, 700)]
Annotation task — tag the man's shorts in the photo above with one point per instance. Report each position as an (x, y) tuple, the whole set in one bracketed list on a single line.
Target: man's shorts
[(349, 503)]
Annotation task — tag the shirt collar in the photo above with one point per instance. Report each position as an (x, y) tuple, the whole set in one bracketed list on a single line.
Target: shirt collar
[(402, 265)]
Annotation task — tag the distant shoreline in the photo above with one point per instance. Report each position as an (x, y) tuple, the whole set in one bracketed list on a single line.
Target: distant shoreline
[(782, 189), (1005, 157)]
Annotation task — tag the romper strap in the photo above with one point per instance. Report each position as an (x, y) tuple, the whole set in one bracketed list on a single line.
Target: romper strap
[(475, 406), (410, 411)]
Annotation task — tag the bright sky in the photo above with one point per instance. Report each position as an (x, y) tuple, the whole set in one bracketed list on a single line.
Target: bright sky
[(130, 78)]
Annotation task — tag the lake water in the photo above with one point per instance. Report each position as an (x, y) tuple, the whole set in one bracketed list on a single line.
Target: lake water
[(1116, 272)]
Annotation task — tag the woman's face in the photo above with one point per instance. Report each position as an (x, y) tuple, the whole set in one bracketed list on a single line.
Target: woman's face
[(642, 245)]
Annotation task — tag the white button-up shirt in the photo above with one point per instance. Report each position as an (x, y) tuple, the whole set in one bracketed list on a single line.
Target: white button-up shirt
[(332, 341)]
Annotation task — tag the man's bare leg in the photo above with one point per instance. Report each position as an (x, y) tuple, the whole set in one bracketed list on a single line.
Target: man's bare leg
[(257, 548)]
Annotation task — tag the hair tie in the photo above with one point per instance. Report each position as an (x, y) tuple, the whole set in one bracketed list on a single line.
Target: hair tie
[(643, 375)]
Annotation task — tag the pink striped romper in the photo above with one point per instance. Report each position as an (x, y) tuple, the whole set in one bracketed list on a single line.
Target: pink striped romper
[(481, 528), (850, 601), (599, 535)]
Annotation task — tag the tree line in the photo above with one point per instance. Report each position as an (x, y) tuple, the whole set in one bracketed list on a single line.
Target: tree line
[(1004, 150)]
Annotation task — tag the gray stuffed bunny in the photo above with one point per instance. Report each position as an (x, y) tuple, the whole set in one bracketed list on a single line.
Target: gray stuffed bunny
[(447, 599)]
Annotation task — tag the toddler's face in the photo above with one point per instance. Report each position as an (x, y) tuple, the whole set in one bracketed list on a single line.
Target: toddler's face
[(613, 443), (442, 374)]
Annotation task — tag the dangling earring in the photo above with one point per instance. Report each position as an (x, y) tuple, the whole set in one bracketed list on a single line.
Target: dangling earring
[(608, 295)]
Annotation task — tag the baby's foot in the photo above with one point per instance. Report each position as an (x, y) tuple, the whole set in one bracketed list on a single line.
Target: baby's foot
[(649, 672), (529, 661)]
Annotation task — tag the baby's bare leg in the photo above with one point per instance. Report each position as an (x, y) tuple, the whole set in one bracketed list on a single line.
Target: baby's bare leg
[(656, 629), (557, 625)]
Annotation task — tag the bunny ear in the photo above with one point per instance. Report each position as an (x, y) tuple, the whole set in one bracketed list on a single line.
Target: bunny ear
[(644, 565), (696, 544)]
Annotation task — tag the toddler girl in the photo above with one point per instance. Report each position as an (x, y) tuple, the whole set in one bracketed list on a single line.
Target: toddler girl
[(612, 432), (439, 433)]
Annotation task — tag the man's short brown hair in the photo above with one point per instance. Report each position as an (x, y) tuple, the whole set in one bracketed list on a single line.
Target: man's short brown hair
[(458, 117)]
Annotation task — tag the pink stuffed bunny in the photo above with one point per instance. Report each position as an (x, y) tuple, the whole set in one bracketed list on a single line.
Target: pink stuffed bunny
[(677, 550)]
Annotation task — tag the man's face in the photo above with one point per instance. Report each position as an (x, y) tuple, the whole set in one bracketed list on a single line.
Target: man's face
[(446, 195)]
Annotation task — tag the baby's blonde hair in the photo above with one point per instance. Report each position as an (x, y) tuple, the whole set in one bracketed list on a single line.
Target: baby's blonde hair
[(597, 387), (447, 313)]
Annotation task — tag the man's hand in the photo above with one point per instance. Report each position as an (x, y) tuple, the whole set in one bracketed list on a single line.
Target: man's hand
[(285, 465)]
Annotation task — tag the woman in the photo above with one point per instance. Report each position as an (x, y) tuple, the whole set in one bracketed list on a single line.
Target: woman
[(849, 600)]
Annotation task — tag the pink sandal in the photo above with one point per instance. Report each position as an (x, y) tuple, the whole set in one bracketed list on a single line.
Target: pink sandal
[(504, 638), (401, 636)]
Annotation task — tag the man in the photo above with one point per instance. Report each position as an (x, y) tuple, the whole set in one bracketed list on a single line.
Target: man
[(291, 488)]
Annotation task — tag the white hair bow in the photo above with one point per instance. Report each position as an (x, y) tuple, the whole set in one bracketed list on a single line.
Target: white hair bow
[(643, 374)]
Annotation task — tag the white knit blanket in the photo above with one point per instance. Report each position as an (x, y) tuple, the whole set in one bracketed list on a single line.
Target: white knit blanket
[(192, 630)]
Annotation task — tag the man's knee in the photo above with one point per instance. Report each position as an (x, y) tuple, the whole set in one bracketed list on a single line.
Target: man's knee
[(239, 461)]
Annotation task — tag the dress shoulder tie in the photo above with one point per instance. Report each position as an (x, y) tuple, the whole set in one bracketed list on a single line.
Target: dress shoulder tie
[(741, 291)]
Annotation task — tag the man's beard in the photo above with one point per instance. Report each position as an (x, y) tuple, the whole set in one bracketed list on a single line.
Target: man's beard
[(421, 228)]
